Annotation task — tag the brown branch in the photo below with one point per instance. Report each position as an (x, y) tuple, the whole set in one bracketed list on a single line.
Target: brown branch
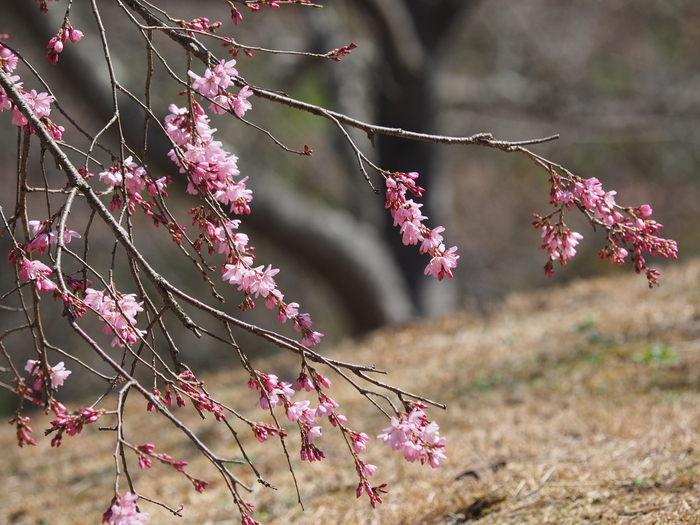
[(198, 50)]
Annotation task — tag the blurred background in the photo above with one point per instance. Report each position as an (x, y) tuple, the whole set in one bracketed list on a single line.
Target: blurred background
[(618, 80)]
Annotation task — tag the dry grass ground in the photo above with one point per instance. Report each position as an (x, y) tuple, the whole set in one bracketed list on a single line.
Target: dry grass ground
[(575, 405)]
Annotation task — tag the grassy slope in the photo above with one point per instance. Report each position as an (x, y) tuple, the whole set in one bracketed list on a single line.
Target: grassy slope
[(576, 405)]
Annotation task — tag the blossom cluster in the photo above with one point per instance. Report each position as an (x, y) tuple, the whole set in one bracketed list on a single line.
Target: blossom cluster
[(57, 374), (39, 103), (632, 233), (43, 6), (210, 169), (193, 388), (23, 430), (71, 423), (254, 5), (35, 271), (416, 436), (55, 45), (213, 86), (123, 511), (274, 392), (45, 235), (408, 217), (259, 281), (134, 179), (413, 433), (119, 312)]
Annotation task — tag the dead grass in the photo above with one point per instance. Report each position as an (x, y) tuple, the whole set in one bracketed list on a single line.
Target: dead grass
[(576, 405)]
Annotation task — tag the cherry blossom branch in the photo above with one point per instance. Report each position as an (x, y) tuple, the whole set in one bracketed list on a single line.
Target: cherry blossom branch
[(190, 44), (137, 321)]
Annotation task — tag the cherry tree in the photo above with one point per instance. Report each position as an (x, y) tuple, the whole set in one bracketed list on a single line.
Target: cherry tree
[(125, 308)]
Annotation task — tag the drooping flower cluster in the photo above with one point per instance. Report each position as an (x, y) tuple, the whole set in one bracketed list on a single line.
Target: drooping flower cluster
[(408, 217), (222, 237), (210, 169), (39, 103), (23, 430), (254, 5), (57, 374), (43, 6), (416, 436), (123, 511), (133, 179), (55, 45), (213, 86), (71, 423), (560, 242), (35, 270), (120, 315), (274, 392), (630, 233), (259, 281)]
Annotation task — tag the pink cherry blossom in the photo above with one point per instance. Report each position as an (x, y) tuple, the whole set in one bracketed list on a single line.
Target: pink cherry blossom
[(8, 61), (208, 85), (37, 272), (560, 242), (304, 382), (325, 408), (632, 233), (311, 338), (442, 262), (300, 410), (273, 392), (432, 241), (209, 167), (287, 311), (123, 511), (240, 102), (57, 373), (44, 236), (359, 442), (74, 35), (119, 315), (23, 431)]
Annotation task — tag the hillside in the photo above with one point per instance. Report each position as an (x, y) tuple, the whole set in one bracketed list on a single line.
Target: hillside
[(573, 405)]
